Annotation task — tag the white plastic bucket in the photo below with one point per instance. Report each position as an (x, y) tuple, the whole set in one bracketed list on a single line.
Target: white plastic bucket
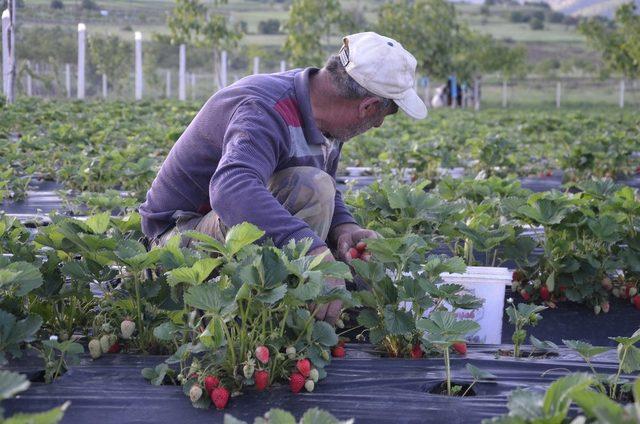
[(487, 283)]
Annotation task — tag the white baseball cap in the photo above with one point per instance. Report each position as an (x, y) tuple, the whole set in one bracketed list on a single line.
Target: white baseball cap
[(382, 66)]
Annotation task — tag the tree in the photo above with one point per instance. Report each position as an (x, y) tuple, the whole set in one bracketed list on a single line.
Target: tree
[(620, 44), (111, 56), (536, 24), (310, 23), (480, 54), (57, 4), (427, 28), (89, 5)]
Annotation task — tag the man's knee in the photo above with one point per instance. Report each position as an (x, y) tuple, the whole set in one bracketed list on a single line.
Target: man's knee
[(315, 184)]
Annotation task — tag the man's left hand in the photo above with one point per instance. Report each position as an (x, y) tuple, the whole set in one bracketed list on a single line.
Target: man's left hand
[(347, 236)]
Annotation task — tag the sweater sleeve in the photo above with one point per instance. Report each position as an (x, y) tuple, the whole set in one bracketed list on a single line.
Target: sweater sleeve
[(341, 214), (254, 143)]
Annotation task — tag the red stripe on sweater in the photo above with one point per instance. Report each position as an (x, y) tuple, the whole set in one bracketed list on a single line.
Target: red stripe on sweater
[(288, 109)]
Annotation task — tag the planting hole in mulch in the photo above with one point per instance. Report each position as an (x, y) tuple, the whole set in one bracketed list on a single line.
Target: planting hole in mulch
[(623, 395), (440, 388), (536, 354)]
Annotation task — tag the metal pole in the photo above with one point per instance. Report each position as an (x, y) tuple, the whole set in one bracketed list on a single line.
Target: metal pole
[(138, 53), (223, 69), (182, 83), (621, 94), (104, 86), (193, 86), (82, 33), (67, 78), (256, 65), (283, 65), (12, 52), (558, 94), (6, 56)]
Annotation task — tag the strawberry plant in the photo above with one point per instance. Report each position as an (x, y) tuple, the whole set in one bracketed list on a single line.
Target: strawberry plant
[(279, 416), (521, 316), (443, 330), (244, 319), (628, 355), (12, 383), (402, 287)]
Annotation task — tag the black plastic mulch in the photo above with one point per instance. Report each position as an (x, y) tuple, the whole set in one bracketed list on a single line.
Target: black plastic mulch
[(361, 386)]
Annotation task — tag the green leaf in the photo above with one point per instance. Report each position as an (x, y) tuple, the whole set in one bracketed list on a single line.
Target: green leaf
[(274, 269), (155, 375), (21, 277), (270, 297), (279, 416), (165, 331), (629, 361), (443, 327), (318, 416), (207, 243), (368, 318), (397, 322), (586, 350), (98, 223), (558, 397), (542, 345), (371, 271), (52, 416), (213, 336), (595, 405), (194, 275), (210, 298), (478, 374), (12, 383), (240, 236), (229, 419), (324, 334), (526, 404)]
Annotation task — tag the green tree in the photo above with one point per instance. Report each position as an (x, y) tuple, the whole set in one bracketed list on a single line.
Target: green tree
[(270, 26), (479, 54), (620, 44), (111, 56), (310, 23), (427, 28)]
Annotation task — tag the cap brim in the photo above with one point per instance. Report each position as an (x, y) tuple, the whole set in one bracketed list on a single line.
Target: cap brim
[(412, 105)]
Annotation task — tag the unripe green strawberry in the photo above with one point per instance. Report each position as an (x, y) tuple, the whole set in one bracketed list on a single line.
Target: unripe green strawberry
[(105, 343), (325, 354), (615, 292), (291, 352), (195, 393), (339, 323), (127, 327), (106, 328), (248, 370), (309, 385), (94, 348), (596, 309), (314, 375)]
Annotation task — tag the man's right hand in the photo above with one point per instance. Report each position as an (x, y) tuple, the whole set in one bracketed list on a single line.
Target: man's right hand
[(330, 311)]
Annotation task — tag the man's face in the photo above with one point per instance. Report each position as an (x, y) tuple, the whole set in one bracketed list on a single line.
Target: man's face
[(365, 124)]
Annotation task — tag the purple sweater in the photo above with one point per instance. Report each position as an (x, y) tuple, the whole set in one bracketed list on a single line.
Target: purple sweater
[(224, 159)]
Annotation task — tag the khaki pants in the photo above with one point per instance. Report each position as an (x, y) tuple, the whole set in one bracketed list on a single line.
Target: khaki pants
[(308, 193)]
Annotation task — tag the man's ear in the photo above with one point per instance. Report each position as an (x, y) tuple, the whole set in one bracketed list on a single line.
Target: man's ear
[(368, 107)]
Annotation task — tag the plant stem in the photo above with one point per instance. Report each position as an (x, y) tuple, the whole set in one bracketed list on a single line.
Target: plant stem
[(447, 369), (612, 395)]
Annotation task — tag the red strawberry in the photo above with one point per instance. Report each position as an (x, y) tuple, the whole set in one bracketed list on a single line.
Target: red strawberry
[(636, 301), (261, 378), (517, 275), (304, 367), (416, 351), (549, 173), (210, 383), (361, 246), (525, 295), (220, 397), (296, 383), (341, 342), (262, 353), (544, 293), (353, 253), (337, 352), (115, 348), (460, 348)]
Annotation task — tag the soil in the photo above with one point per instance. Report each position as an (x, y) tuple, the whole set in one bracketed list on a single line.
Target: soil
[(536, 354), (441, 389)]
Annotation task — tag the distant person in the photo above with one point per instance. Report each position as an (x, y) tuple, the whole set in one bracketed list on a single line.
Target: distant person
[(265, 150)]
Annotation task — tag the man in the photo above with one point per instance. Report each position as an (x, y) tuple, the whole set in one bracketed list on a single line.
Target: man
[(265, 150)]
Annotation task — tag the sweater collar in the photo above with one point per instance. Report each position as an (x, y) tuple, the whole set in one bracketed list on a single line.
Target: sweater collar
[(311, 131)]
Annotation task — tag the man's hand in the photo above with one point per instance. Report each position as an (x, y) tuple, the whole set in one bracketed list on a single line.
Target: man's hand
[(330, 311), (346, 236)]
